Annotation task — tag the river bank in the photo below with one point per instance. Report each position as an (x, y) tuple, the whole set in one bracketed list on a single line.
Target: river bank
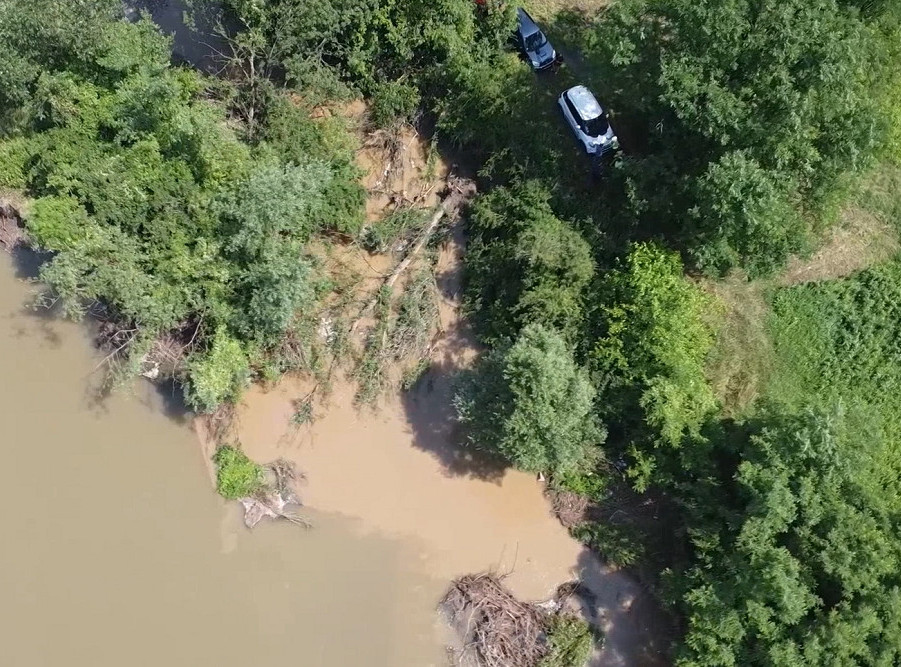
[(117, 550), (398, 471)]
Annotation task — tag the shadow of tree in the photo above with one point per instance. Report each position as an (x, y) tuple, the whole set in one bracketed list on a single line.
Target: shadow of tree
[(428, 405), (637, 631)]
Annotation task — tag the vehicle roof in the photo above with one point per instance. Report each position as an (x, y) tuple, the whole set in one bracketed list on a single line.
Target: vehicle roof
[(527, 25), (584, 102)]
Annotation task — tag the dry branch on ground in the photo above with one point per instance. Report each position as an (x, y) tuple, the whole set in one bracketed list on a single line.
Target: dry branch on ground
[(496, 629)]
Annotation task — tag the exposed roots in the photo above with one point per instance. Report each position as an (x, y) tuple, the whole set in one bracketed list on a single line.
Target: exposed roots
[(496, 629)]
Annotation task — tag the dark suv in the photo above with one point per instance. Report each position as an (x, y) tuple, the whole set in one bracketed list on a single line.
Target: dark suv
[(532, 42)]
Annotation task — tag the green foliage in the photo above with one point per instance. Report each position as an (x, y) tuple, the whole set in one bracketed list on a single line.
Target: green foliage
[(219, 375), (524, 264), (770, 102), (392, 102), (296, 138), (532, 404), (150, 201), (394, 51), (570, 642), (236, 475), (589, 484), (649, 360), (796, 557), (841, 341), (399, 227), (616, 544), (744, 217), (402, 333), (267, 220), (13, 156)]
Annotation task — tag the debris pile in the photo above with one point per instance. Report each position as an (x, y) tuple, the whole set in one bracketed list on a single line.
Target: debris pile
[(495, 629), (275, 497), (12, 229)]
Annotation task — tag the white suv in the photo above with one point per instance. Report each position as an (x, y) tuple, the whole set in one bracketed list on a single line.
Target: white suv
[(588, 120)]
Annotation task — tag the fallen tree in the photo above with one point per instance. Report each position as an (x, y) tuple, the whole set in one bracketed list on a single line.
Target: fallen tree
[(459, 190)]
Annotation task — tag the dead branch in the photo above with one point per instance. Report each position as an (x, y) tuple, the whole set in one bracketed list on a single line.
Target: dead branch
[(495, 628), (460, 191)]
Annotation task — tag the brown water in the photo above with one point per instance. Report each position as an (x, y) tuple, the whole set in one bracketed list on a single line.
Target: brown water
[(116, 551)]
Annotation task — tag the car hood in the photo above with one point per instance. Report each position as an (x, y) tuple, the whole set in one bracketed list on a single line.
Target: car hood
[(542, 55)]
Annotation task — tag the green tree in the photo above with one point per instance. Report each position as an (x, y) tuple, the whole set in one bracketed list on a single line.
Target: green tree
[(267, 220), (796, 558), (767, 99), (532, 404), (524, 264), (649, 359)]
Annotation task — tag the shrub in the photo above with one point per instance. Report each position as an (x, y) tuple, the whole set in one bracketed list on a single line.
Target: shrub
[(219, 375), (524, 264), (649, 359), (532, 404), (569, 641), (393, 102), (236, 475)]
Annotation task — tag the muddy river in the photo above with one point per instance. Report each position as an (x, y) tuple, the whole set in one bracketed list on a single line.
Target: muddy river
[(116, 550)]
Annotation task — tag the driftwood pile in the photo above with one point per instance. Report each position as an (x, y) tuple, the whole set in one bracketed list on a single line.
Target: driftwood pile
[(495, 629), (274, 499)]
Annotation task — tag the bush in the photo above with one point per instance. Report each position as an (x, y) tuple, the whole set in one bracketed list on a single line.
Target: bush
[(296, 138), (744, 217), (649, 358), (524, 264), (795, 548), (236, 475), (569, 641), (14, 154), (219, 375), (397, 228), (393, 102), (533, 405)]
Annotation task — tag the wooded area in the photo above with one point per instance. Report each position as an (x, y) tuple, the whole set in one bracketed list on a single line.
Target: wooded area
[(181, 208)]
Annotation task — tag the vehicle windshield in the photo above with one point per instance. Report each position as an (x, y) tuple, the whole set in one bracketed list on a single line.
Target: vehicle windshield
[(597, 127), (535, 41)]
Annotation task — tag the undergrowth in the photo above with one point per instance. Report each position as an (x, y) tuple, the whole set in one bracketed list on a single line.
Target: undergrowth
[(839, 342), (401, 335), (569, 642), (395, 231)]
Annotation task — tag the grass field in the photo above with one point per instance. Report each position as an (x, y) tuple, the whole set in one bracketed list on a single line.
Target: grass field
[(824, 326)]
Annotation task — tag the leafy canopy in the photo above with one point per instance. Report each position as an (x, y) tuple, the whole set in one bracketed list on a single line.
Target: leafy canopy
[(649, 359), (524, 264), (532, 404)]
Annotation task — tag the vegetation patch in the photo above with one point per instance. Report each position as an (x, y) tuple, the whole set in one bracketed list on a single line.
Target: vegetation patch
[(840, 342), (236, 475)]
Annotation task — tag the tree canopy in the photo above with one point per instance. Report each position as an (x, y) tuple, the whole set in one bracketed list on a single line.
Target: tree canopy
[(152, 204), (532, 404)]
